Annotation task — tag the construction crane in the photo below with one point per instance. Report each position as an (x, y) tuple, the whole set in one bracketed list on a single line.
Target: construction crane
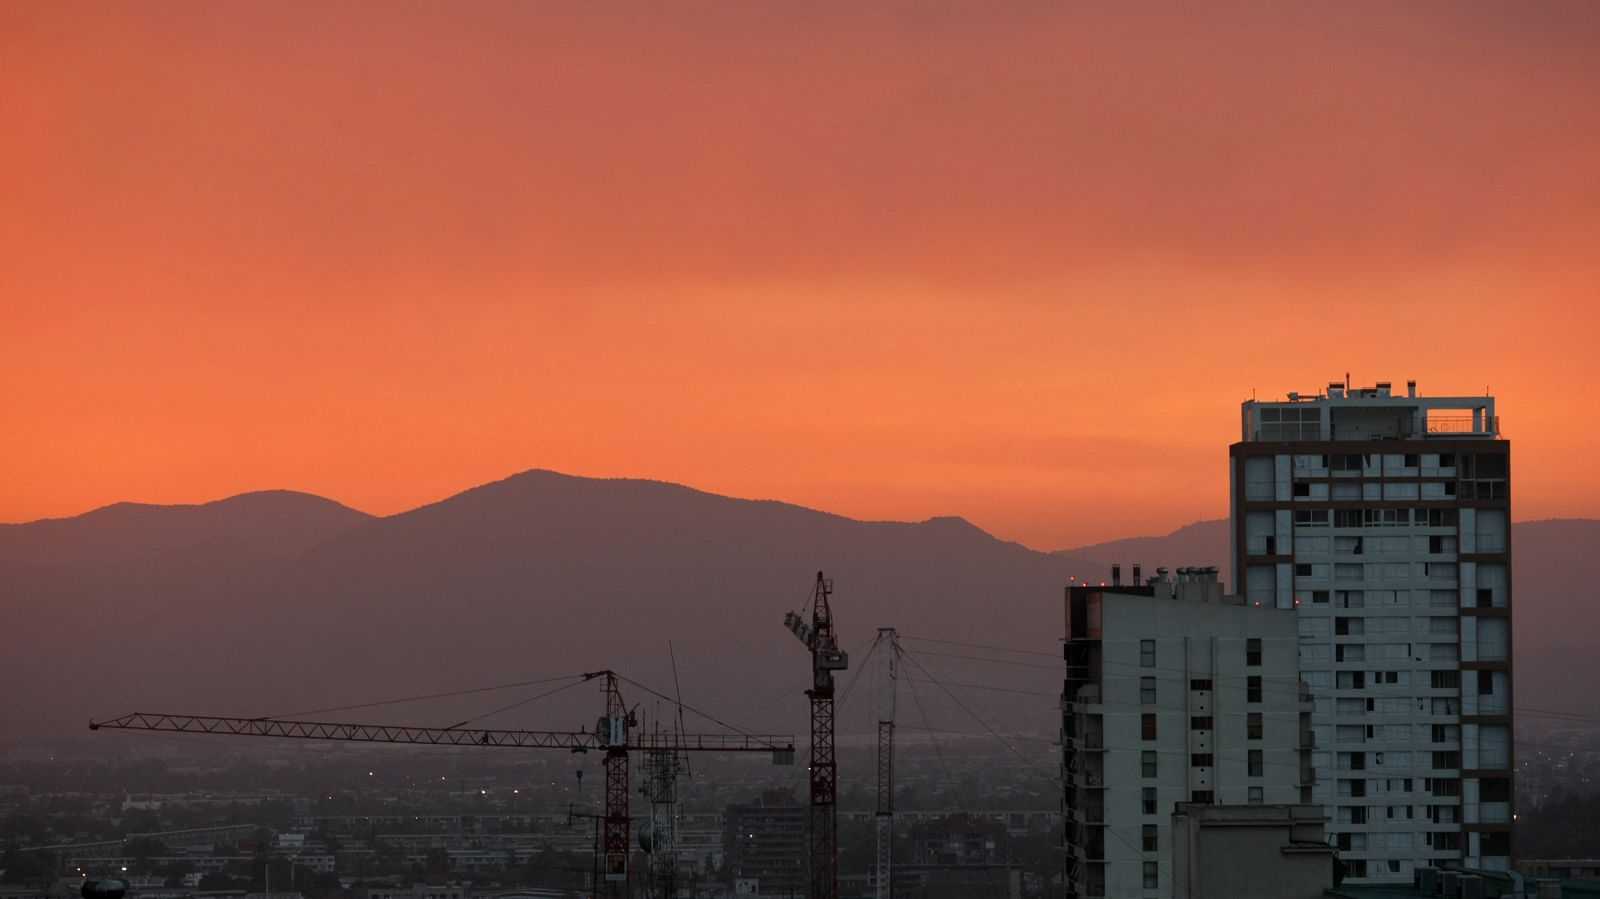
[(614, 732), (888, 648), (826, 658)]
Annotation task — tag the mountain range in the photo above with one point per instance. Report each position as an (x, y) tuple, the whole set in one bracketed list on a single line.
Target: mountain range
[(279, 603)]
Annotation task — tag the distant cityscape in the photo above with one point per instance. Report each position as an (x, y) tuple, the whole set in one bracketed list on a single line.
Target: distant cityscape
[(1338, 719)]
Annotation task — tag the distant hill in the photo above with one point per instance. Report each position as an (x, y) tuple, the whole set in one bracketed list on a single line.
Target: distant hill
[(272, 523), (278, 603), (1200, 544), (537, 575)]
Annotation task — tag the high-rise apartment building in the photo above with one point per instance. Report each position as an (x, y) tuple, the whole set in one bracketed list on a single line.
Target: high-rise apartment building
[(1383, 520), (1174, 693)]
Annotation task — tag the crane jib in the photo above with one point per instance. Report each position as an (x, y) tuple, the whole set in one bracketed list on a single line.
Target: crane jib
[(441, 736)]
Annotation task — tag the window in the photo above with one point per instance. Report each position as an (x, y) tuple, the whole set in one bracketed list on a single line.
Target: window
[(1147, 653), (1252, 652), (1302, 489), (1485, 597), (1256, 763), (1202, 797), (1152, 877), (1351, 680), (1201, 722), (1485, 683), (1147, 763), (1147, 726), (1302, 570), (1445, 680), (1257, 795), (1490, 465), (1319, 596), (1149, 800), (1252, 689), (1149, 832), (1147, 689), (1200, 683), (1201, 760), (1253, 726)]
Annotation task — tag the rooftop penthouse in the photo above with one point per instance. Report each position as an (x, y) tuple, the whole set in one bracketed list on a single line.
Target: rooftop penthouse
[(1369, 413)]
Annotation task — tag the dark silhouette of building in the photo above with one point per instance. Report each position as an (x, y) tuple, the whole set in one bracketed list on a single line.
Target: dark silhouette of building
[(765, 842)]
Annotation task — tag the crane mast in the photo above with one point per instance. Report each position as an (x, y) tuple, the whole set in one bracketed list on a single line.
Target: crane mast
[(888, 651), (614, 732), (826, 657)]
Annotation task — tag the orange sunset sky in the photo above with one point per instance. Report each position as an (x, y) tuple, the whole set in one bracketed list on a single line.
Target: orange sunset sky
[(1018, 263)]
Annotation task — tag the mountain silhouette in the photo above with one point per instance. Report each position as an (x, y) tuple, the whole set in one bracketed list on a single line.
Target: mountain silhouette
[(283, 603), (270, 523), (538, 575), (1200, 544)]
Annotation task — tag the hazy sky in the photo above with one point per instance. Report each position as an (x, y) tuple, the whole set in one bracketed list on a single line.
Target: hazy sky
[(1014, 263)]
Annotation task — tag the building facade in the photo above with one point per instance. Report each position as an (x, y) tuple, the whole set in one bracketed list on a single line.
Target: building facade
[(764, 845), (1383, 520), (1251, 852), (1173, 693)]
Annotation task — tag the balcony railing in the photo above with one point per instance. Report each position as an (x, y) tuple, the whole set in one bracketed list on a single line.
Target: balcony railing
[(1463, 424)]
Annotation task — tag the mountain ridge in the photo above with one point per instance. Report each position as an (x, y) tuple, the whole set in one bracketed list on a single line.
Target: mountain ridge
[(543, 572)]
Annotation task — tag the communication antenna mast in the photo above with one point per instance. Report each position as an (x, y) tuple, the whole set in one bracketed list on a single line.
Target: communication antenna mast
[(659, 838), (826, 658), (888, 650)]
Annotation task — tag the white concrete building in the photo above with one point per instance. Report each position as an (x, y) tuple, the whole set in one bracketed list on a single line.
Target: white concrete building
[(1174, 693), (1384, 521)]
